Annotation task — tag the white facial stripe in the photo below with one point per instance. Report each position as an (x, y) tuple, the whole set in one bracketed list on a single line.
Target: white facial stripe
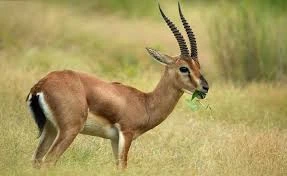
[(195, 78)]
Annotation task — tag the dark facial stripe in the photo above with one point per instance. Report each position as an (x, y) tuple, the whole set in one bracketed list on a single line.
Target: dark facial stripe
[(203, 81), (193, 82)]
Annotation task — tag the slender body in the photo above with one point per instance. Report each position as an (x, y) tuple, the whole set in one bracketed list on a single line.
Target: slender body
[(66, 103)]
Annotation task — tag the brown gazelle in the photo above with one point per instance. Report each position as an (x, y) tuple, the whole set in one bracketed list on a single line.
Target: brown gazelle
[(66, 103)]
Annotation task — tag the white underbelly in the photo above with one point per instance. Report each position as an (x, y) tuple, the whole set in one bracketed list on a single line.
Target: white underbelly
[(98, 126)]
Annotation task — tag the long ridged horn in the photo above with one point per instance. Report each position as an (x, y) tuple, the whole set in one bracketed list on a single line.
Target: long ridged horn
[(180, 40), (190, 34)]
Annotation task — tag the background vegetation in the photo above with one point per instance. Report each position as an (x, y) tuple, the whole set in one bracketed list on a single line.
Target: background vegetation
[(257, 46), (242, 48)]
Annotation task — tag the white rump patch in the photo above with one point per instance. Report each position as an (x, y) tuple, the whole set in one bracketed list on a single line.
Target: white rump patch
[(46, 109)]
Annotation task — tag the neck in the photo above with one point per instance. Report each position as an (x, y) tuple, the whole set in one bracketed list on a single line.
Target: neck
[(162, 100)]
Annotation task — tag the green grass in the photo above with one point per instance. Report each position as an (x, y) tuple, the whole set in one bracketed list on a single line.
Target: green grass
[(249, 42), (125, 8), (244, 132)]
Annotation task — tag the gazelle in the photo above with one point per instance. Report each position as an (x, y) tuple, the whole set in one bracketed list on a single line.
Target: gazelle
[(66, 103)]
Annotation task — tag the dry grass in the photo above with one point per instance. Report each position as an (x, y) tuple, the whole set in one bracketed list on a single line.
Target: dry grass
[(244, 134)]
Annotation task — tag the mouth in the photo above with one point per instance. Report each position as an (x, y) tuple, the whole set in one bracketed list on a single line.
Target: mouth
[(197, 94)]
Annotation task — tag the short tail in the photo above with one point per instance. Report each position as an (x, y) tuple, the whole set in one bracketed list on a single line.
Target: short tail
[(37, 111)]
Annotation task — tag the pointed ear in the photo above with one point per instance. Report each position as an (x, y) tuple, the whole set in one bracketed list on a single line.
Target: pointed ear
[(162, 58)]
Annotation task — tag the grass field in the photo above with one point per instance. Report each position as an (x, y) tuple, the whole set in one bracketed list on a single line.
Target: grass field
[(244, 132)]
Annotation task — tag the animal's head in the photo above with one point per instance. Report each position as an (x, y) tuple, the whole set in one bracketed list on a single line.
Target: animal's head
[(185, 68)]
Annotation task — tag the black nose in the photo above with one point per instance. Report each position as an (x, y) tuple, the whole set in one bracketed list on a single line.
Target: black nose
[(205, 88)]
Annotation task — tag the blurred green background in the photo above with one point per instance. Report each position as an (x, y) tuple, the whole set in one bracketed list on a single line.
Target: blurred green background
[(239, 129), (246, 39)]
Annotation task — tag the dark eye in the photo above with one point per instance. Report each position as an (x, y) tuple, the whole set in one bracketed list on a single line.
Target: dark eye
[(183, 69)]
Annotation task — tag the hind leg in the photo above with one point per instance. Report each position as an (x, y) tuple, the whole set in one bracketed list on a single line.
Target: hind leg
[(66, 108), (61, 143), (47, 137), (115, 147)]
